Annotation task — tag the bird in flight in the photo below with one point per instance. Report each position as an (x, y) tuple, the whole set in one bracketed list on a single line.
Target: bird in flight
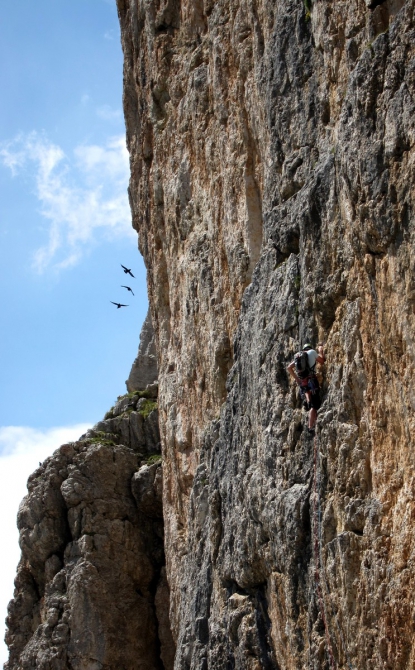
[(128, 288), (118, 304), (127, 271)]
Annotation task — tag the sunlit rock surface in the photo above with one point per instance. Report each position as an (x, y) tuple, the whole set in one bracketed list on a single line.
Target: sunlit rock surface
[(272, 173)]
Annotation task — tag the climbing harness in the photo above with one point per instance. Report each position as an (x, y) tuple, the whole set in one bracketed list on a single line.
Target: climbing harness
[(319, 575)]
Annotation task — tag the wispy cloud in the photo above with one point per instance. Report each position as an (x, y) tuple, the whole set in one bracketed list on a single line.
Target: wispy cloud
[(109, 114), (21, 449), (16, 441), (78, 194)]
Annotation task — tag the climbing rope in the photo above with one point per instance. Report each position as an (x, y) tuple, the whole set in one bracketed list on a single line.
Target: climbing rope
[(319, 564)]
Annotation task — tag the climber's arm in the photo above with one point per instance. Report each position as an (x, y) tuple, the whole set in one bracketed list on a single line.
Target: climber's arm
[(291, 370), (321, 359)]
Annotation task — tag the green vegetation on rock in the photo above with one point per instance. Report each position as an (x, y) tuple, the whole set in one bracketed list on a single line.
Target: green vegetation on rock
[(307, 7), (100, 438), (154, 458), (147, 407)]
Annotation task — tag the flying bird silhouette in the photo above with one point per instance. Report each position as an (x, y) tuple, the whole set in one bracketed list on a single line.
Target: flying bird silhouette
[(118, 304), (128, 288), (127, 271)]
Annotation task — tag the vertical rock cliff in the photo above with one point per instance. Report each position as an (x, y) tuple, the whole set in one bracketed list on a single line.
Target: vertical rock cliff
[(272, 187)]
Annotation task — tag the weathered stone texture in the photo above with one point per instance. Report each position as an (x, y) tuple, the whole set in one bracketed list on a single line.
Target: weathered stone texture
[(272, 186), (193, 113), (144, 369), (91, 577)]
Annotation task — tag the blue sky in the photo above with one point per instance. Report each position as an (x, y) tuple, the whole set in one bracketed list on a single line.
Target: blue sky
[(64, 229), (66, 351)]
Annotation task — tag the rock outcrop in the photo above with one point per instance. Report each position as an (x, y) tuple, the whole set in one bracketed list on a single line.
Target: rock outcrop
[(91, 591), (144, 370), (272, 187)]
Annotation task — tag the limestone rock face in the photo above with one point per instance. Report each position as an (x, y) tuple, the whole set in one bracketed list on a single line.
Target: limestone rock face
[(91, 586), (195, 126), (272, 186), (144, 369)]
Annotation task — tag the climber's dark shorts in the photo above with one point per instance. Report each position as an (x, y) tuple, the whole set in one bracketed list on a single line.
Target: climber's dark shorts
[(314, 389)]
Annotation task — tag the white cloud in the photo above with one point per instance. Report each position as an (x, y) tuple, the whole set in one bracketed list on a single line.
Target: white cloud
[(21, 449), (109, 35), (22, 440), (109, 114), (77, 197)]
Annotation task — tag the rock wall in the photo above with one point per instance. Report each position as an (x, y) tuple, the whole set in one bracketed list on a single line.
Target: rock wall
[(144, 369), (91, 591), (272, 186)]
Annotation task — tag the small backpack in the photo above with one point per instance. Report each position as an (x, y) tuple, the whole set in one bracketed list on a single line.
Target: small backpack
[(302, 366)]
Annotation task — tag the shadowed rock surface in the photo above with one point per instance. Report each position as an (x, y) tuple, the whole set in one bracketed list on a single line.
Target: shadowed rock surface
[(91, 591), (144, 369)]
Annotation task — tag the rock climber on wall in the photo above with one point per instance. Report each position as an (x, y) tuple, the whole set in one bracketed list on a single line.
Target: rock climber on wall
[(302, 368)]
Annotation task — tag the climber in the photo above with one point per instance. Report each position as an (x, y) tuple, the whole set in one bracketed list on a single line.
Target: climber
[(302, 368)]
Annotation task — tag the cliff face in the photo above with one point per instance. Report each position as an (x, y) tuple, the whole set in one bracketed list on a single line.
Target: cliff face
[(272, 187), (272, 173), (144, 369)]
